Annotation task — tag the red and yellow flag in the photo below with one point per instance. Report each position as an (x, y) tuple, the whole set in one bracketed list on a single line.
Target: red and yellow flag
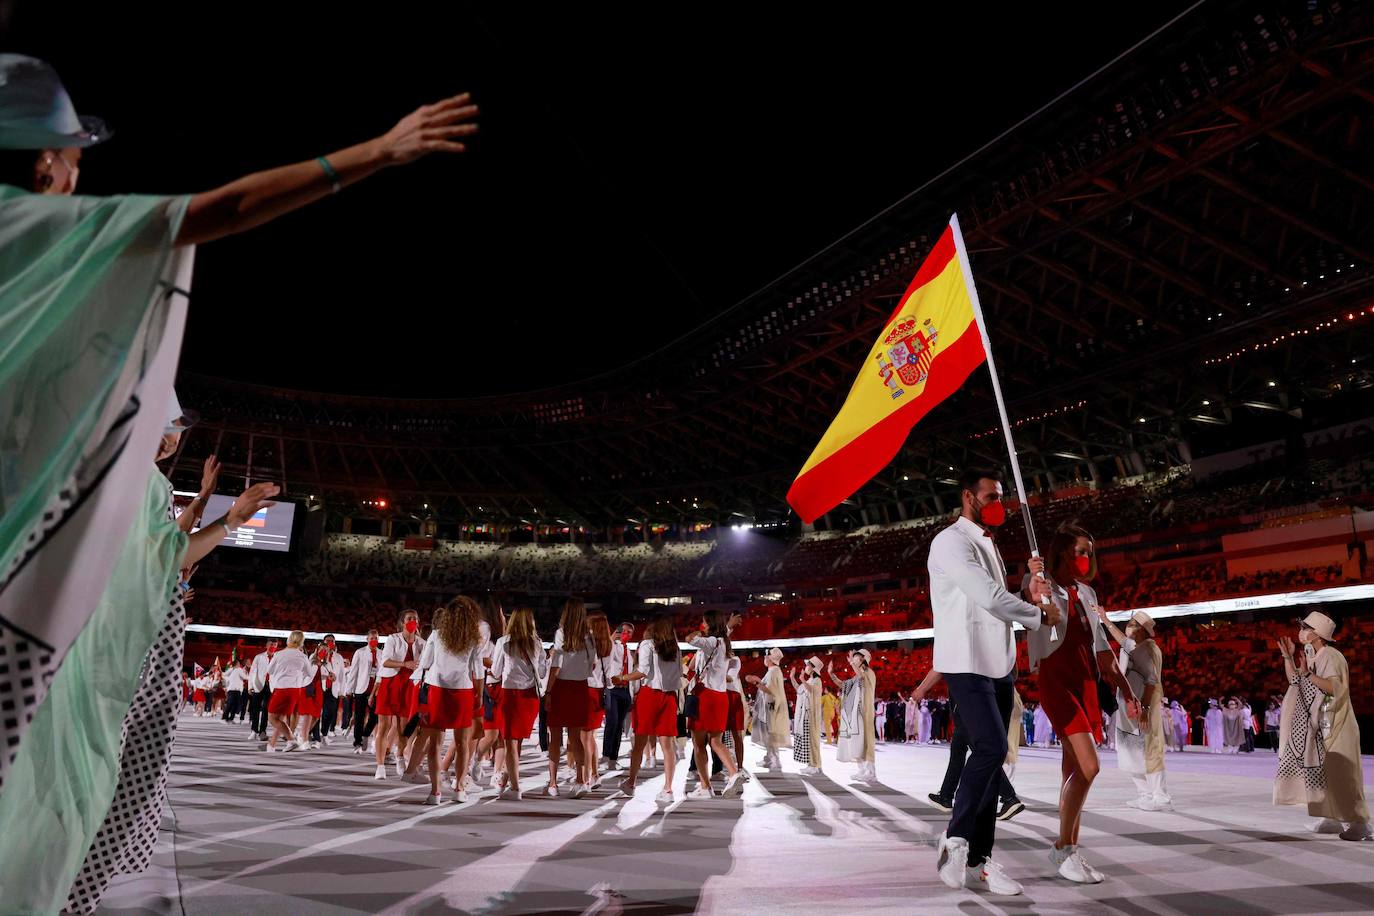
[(926, 350)]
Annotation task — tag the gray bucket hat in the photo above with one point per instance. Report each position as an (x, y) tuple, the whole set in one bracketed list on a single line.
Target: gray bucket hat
[(36, 112)]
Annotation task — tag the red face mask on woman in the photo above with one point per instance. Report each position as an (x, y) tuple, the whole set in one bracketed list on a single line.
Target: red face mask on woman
[(412, 626), (1082, 565), (625, 636), (372, 642)]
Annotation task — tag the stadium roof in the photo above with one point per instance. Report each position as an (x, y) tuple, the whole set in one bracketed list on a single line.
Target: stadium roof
[(1184, 240)]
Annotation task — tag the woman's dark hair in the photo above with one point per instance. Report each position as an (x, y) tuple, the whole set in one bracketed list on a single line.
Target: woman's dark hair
[(492, 614), (1065, 538), (661, 633), (17, 167), (715, 626)]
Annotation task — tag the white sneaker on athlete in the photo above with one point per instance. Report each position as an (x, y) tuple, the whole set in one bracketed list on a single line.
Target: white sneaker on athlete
[(1070, 865), (434, 800), (328, 741), (664, 798), (701, 792), (551, 790), (732, 785), (952, 860), (1327, 825), (811, 771), (381, 772), (627, 788), (577, 790), (990, 876), (415, 778), (400, 767)]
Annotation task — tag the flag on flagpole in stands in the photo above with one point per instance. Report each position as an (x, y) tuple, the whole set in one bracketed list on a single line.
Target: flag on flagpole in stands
[(197, 671), (926, 349)]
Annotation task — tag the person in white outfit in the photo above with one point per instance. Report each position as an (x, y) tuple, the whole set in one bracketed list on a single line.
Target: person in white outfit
[(658, 669), (975, 651), (520, 665), (289, 672)]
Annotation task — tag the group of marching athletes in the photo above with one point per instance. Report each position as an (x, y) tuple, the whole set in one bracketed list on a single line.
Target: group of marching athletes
[(438, 706)]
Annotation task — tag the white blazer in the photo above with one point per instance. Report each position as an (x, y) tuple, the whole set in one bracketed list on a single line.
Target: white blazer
[(973, 610), (257, 671), (360, 673), (334, 667), (1039, 643)]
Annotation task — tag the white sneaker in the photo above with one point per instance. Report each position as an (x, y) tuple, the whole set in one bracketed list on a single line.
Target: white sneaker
[(664, 798), (381, 772), (1327, 825), (952, 861), (731, 785), (508, 794), (701, 792), (291, 746), (1144, 803), (627, 788), (314, 745), (434, 800), (462, 795), (475, 770), (811, 771), (551, 790), (400, 767), (744, 774), (415, 779), (328, 741), (578, 790), (990, 876), (1070, 865)]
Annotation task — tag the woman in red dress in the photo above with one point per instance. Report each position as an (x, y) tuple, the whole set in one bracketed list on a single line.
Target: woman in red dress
[(451, 661), (1070, 656)]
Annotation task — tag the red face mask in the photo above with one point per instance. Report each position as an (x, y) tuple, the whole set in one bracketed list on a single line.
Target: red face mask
[(1082, 565), (625, 636), (270, 650), (372, 641), (993, 514), (412, 626)]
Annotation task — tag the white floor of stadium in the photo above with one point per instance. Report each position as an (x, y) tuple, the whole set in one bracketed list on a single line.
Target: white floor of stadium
[(314, 833)]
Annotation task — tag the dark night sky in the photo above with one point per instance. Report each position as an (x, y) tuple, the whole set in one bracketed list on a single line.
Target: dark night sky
[(638, 172)]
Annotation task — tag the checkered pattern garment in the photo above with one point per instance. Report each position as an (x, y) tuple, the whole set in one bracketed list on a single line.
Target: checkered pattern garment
[(1292, 767), (124, 843), (27, 666)]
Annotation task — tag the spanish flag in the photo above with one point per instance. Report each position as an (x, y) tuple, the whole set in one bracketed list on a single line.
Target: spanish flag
[(926, 350)]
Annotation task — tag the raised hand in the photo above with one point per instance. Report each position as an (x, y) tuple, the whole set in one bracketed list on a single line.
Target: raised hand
[(1101, 613), (1285, 646), (249, 502), (437, 128), (209, 476), (1036, 565)]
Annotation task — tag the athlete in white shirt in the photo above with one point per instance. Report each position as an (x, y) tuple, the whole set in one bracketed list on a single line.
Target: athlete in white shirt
[(658, 669), (713, 706)]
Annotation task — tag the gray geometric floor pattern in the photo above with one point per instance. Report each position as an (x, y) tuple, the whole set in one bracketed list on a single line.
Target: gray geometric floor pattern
[(315, 834)]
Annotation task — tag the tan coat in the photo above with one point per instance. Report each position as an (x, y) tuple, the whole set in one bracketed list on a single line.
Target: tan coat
[(1344, 799)]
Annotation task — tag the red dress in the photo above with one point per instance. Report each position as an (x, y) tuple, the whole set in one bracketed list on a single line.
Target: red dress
[(1068, 678)]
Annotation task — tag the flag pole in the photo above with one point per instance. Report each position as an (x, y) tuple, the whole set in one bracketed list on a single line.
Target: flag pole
[(996, 383)]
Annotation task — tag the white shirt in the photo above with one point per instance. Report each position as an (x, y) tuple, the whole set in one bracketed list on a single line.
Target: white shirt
[(453, 670), (660, 675), (235, 679), (572, 665), (334, 668), (618, 663), (487, 646), (360, 673), (973, 610), (512, 669), (711, 661), (257, 670), (732, 681), (395, 651), (290, 668)]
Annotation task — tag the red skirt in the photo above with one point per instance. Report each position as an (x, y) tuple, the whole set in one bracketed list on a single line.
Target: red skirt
[(517, 711), (1069, 698), (285, 701), (596, 708), (396, 695), (713, 708), (734, 714), (198, 697), (447, 707), (655, 713), (477, 706), (493, 691), (568, 704), (311, 706)]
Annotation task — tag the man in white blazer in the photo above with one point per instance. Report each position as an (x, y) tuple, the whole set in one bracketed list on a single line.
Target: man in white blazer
[(361, 678), (975, 650), (260, 691)]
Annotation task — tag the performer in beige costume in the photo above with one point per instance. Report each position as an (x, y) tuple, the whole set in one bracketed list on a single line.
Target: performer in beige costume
[(1140, 748), (771, 729), (1319, 739), (858, 735)]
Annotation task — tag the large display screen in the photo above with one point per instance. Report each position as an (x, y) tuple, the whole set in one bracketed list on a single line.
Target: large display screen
[(269, 529)]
